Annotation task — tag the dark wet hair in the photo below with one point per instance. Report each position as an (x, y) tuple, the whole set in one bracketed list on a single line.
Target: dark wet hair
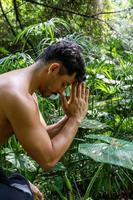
[(69, 54)]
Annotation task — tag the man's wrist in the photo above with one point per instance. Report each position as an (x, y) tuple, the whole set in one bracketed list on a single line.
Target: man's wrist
[(76, 120)]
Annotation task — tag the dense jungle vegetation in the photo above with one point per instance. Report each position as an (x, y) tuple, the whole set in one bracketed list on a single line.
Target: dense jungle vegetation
[(99, 163)]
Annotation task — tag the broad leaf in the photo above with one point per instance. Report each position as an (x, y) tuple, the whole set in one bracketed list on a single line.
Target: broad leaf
[(20, 161), (115, 151), (92, 124)]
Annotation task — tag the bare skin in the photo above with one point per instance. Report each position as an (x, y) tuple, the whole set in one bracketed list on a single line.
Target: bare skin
[(19, 112)]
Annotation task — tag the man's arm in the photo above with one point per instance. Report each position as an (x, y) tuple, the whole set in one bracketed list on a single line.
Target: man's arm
[(23, 115), (52, 129)]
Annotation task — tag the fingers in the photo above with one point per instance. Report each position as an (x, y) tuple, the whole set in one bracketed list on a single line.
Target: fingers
[(63, 101), (74, 91), (87, 94), (65, 104), (36, 192), (78, 90), (38, 196), (81, 90)]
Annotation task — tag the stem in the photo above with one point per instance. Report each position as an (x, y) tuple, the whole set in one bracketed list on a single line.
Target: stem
[(58, 191), (87, 193)]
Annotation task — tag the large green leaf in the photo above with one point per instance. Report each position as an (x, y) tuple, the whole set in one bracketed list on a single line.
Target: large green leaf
[(92, 124), (114, 151), (19, 161)]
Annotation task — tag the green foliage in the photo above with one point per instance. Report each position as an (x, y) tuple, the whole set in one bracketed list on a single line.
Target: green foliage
[(109, 76), (109, 71), (92, 124), (43, 33), (15, 61), (3, 51), (114, 151), (14, 158), (87, 193), (18, 160)]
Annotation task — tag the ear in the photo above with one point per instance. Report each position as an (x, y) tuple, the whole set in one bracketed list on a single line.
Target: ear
[(54, 68)]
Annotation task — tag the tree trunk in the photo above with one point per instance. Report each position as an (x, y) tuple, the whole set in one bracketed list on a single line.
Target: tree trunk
[(7, 20), (17, 13)]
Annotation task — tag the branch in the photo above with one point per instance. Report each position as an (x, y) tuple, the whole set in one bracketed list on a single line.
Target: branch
[(101, 20), (7, 20), (73, 12), (55, 8), (11, 27), (118, 33), (17, 13), (10, 10), (113, 12), (20, 24)]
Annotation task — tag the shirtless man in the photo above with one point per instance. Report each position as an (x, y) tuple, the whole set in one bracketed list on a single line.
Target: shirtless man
[(60, 65)]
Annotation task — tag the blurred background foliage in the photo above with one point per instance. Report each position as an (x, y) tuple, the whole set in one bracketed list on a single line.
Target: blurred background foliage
[(99, 163)]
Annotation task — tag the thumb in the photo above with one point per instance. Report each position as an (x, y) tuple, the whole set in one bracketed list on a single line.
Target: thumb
[(64, 101)]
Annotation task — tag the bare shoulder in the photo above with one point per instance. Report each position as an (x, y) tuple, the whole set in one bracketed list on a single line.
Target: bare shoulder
[(14, 99), (10, 92), (19, 106)]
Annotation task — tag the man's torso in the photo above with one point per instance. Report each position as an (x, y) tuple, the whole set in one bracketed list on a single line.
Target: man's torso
[(8, 82), (5, 127)]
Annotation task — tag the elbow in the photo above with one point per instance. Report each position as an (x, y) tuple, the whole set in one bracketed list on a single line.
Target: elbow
[(49, 165), (50, 161), (47, 160)]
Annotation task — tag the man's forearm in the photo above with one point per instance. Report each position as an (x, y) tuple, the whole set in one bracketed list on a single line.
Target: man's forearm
[(54, 129), (62, 141)]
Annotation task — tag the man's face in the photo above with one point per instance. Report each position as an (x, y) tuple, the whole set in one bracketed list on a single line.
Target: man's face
[(56, 82)]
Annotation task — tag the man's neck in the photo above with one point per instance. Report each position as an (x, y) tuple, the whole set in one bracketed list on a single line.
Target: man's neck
[(35, 74)]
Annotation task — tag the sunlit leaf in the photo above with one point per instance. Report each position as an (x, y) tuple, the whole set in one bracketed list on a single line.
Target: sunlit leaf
[(92, 124), (114, 151)]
